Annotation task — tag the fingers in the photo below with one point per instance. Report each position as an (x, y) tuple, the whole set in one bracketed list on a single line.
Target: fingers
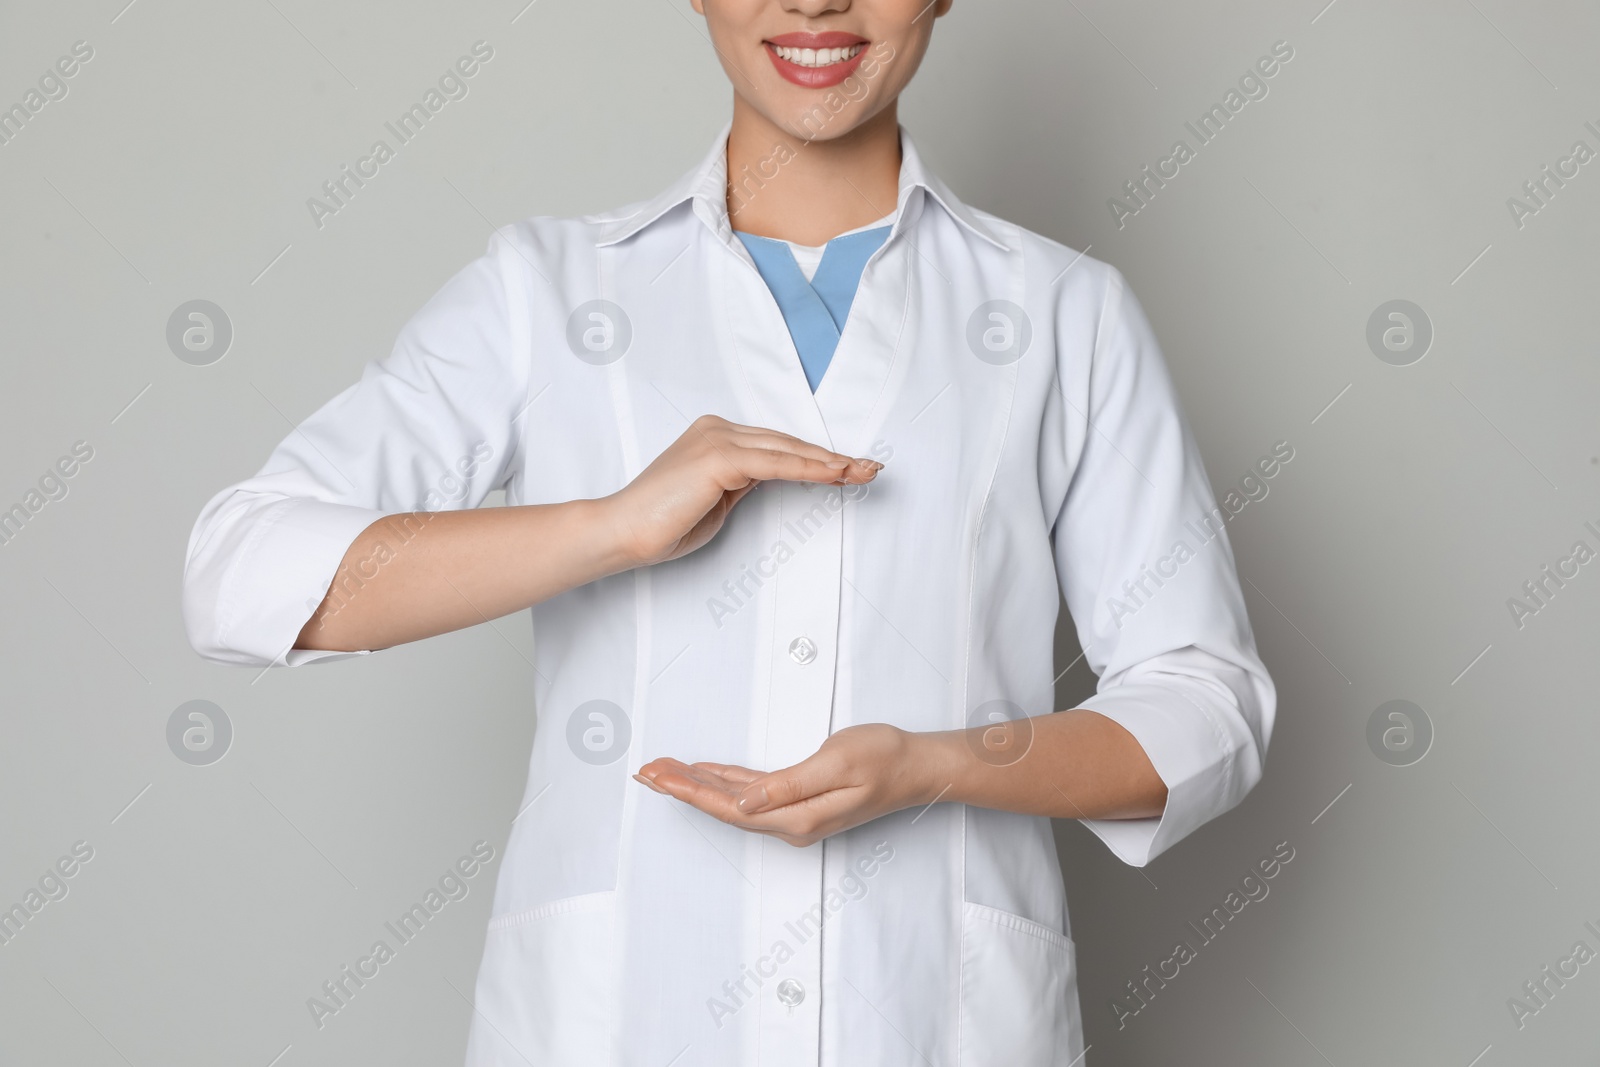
[(718, 789), (697, 786), (800, 805), (676, 778), (810, 777), (748, 792), (775, 464), (782, 442), (742, 775), (761, 454)]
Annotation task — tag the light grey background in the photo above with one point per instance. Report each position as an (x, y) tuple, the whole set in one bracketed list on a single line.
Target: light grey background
[(220, 897)]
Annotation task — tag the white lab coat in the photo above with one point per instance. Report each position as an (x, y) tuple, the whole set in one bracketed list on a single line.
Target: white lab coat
[(629, 929)]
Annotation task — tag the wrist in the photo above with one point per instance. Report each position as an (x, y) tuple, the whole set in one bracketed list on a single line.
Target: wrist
[(938, 766), (605, 527)]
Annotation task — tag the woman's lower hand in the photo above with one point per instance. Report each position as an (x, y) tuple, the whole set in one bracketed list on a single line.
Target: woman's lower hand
[(682, 498), (859, 774)]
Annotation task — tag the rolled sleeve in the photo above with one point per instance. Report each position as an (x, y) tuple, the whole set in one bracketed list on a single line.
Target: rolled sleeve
[(1148, 574), (430, 427), (266, 565)]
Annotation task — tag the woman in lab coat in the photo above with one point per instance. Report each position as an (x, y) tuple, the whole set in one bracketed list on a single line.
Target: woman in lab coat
[(797, 455)]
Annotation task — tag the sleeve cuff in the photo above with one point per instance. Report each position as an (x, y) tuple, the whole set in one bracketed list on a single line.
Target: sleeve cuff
[(1191, 752), (298, 657), (283, 561)]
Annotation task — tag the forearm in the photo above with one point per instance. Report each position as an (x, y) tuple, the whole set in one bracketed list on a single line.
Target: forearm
[(1077, 765), (419, 574), (415, 575)]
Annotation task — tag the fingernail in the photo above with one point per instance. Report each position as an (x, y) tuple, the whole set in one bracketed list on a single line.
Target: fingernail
[(870, 464), (753, 799)]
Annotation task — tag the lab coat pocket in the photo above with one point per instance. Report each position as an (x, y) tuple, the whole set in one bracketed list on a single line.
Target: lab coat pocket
[(545, 988), (1019, 999)]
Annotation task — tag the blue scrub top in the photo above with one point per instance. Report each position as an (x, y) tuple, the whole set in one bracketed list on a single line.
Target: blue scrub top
[(815, 310)]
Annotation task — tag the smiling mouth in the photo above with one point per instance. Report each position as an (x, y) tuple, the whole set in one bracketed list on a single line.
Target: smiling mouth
[(816, 58)]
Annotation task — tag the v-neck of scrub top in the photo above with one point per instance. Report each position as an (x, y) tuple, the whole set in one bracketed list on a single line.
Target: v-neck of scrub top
[(815, 310)]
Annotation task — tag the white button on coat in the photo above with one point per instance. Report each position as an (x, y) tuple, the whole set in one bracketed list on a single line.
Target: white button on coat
[(1024, 453), (791, 992)]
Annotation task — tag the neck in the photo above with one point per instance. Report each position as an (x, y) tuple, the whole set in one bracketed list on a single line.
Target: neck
[(809, 192)]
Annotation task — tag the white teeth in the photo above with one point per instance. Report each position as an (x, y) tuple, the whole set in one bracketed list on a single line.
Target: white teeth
[(817, 57)]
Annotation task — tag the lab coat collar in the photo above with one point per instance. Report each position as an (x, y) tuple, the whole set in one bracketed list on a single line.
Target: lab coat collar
[(706, 189)]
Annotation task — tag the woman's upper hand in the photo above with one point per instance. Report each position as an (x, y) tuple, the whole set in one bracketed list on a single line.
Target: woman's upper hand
[(681, 499)]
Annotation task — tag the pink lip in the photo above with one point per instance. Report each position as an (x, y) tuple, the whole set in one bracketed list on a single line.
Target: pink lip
[(815, 77)]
